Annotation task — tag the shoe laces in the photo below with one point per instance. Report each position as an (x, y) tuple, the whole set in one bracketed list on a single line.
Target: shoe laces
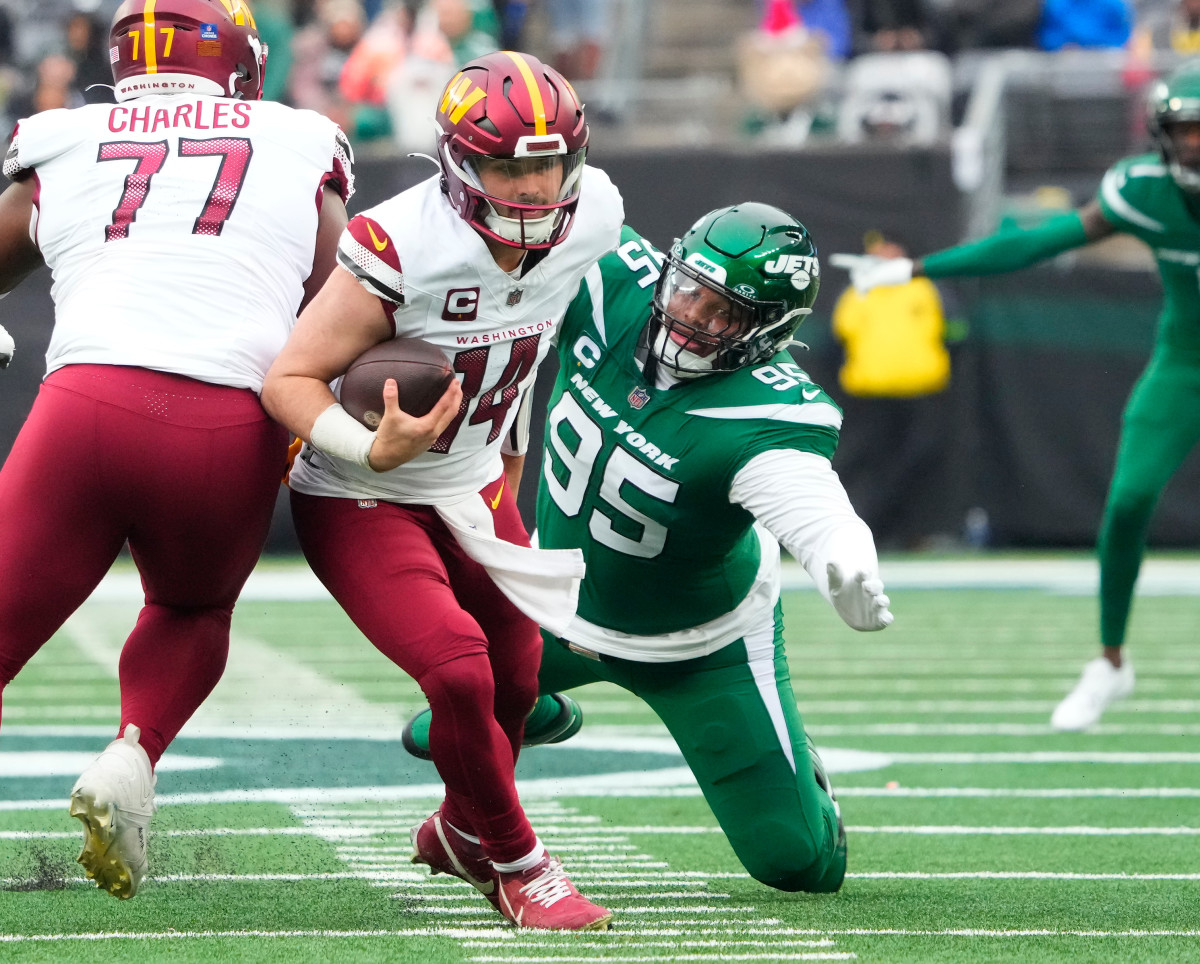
[(550, 886)]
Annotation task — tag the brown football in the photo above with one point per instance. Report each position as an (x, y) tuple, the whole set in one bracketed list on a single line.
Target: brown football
[(421, 370)]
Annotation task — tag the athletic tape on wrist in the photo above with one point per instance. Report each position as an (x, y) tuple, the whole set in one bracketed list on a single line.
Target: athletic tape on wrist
[(338, 433)]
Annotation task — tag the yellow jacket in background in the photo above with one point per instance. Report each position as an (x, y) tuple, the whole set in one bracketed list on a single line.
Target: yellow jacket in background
[(894, 339)]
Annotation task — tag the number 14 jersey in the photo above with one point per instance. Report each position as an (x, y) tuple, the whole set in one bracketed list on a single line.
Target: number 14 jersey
[(179, 228)]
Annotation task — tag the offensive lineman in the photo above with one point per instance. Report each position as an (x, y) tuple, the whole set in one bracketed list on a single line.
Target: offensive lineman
[(414, 528), (1155, 198), (185, 225), (682, 443)]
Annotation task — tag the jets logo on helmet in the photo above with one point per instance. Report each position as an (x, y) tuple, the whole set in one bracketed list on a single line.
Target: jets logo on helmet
[(510, 113), (186, 46), (732, 292)]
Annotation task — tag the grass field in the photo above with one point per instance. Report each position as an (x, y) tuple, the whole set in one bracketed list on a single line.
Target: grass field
[(975, 833)]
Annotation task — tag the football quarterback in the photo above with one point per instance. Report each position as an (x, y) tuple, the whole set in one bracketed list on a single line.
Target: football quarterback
[(481, 260)]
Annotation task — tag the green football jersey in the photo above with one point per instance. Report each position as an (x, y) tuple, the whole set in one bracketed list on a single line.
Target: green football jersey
[(1140, 198), (639, 477)]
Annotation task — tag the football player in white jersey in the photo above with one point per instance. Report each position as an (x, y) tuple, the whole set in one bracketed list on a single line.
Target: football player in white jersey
[(185, 225), (414, 528)]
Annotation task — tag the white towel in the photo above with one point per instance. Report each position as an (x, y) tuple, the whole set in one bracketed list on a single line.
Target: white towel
[(542, 583)]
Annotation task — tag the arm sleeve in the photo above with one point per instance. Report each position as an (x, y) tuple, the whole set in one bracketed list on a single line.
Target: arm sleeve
[(1008, 250), (800, 500)]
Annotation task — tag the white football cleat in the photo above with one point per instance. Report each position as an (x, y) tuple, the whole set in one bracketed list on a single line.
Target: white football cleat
[(1100, 685), (114, 799)]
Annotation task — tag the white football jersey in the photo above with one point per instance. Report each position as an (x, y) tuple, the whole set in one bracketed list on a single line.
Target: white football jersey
[(438, 281), (179, 228)]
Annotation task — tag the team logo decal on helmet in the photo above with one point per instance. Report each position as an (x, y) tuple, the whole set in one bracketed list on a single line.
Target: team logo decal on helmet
[(508, 118), (1176, 99), (732, 292), (186, 46)]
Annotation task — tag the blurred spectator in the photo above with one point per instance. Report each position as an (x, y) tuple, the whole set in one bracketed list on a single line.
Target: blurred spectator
[(53, 86), (829, 20), (902, 98), (890, 25), (1084, 23), (445, 36), (579, 35), (1172, 29), (320, 52), (87, 46), (784, 69), (893, 391), (510, 18)]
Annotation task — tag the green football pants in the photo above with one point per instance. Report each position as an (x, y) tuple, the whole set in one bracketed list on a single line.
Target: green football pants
[(1160, 426), (734, 717)]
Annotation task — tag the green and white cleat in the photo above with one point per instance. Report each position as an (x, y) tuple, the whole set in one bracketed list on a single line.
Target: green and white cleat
[(114, 799)]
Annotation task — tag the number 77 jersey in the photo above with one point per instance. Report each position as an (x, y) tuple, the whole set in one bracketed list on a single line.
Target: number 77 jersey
[(179, 229), (639, 477)]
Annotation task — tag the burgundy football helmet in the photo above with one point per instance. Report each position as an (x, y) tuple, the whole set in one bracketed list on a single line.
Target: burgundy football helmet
[(186, 46), (511, 107)]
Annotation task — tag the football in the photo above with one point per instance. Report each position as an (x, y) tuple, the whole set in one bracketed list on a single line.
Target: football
[(421, 370)]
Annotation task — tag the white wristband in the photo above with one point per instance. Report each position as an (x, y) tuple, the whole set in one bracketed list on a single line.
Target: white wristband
[(338, 433)]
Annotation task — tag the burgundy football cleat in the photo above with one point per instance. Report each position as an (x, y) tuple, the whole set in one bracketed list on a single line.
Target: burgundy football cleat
[(543, 897), (445, 851)]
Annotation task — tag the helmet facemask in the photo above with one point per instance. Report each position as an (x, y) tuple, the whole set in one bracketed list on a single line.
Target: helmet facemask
[(698, 326), (537, 212)]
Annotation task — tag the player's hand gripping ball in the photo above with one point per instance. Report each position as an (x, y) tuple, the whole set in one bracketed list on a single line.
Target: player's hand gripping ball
[(421, 370)]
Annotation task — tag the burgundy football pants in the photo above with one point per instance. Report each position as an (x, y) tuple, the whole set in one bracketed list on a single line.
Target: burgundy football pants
[(406, 583), (187, 473)]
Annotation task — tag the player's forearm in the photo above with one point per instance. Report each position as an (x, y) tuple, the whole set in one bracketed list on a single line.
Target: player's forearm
[(800, 500), (1007, 250), (295, 401), (18, 254)]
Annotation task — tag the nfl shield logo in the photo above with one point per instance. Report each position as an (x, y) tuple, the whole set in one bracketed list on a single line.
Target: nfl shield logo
[(639, 397), (208, 31), (514, 297)]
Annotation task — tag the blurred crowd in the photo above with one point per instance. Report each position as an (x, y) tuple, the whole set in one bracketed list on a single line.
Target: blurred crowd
[(375, 66)]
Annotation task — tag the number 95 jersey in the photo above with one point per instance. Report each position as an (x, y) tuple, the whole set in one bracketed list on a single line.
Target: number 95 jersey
[(639, 477), (179, 228)]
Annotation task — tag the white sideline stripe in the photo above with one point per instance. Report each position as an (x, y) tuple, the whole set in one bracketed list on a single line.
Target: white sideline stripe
[(803, 956), (1158, 576), (573, 942), (1042, 831), (1036, 793), (1046, 756), (1011, 875), (899, 932), (459, 932), (996, 729)]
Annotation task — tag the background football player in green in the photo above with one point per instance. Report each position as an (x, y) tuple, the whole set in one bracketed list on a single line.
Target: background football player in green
[(1155, 198), (683, 445)]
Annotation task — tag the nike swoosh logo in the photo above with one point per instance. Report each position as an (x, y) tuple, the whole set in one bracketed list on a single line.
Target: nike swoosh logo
[(496, 501), (810, 394), (378, 246)]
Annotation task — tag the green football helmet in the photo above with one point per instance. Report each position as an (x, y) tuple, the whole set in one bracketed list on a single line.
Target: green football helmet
[(1174, 99), (732, 292)]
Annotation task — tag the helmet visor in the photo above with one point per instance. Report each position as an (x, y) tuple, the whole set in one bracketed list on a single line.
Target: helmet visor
[(538, 182)]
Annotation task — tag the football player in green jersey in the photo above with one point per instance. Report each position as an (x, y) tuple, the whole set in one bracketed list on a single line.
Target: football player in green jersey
[(1154, 197), (683, 446)]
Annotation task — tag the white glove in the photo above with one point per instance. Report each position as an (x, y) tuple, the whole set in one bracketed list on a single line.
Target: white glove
[(7, 347), (860, 600), (869, 271)]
